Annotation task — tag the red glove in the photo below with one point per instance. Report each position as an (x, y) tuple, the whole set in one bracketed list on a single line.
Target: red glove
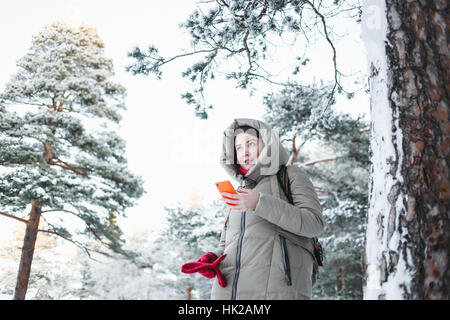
[(206, 268), (207, 258)]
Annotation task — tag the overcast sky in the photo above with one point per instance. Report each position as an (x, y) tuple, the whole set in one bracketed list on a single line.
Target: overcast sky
[(176, 153)]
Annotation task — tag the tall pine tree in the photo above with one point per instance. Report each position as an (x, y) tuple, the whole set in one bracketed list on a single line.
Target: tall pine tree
[(60, 155)]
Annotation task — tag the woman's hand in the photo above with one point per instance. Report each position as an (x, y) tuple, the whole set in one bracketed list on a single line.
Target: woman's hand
[(244, 200)]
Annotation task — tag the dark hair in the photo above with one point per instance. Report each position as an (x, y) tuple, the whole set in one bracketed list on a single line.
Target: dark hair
[(242, 129)]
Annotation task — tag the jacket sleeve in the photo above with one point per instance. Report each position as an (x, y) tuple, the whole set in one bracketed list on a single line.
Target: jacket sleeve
[(304, 218)]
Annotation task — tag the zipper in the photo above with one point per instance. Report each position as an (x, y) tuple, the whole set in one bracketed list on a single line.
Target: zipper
[(287, 267), (238, 257)]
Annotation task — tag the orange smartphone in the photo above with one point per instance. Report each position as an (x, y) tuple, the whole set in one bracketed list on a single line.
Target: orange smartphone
[(226, 186)]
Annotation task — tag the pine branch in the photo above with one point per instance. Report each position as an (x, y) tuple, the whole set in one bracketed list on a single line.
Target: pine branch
[(240, 32), (13, 217), (184, 55), (159, 60), (27, 102), (67, 166), (79, 245), (48, 154)]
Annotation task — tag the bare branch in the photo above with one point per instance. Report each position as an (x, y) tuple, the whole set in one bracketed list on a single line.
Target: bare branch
[(13, 217), (29, 103), (294, 152), (317, 161), (59, 210), (336, 81)]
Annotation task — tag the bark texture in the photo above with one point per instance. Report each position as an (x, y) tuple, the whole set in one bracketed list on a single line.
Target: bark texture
[(418, 63), (27, 251)]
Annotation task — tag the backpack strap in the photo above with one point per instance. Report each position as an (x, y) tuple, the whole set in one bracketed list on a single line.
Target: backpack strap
[(276, 185), (283, 179)]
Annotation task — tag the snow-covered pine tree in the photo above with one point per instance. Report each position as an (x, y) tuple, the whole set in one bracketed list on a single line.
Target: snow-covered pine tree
[(333, 149), (60, 155), (408, 229), (189, 234)]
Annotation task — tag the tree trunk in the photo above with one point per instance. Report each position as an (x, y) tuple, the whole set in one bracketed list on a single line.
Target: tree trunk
[(362, 283), (408, 235), (337, 266), (344, 278), (26, 259), (189, 293)]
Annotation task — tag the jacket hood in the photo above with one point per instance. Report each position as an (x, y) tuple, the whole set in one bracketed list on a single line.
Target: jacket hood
[(271, 157)]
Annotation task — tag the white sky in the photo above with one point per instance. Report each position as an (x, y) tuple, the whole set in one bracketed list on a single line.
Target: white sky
[(176, 153)]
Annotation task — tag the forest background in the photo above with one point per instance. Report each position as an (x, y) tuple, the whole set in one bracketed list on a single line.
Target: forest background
[(175, 222)]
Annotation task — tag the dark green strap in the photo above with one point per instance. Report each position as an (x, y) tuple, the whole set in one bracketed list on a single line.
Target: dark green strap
[(284, 181)]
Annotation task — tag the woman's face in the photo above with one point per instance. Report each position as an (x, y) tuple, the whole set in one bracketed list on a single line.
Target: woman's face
[(248, 148)]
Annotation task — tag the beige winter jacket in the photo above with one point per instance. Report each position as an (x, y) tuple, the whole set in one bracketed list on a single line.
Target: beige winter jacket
[(258, 260)]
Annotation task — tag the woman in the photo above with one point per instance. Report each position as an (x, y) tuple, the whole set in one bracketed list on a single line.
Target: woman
[(264, 238)]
